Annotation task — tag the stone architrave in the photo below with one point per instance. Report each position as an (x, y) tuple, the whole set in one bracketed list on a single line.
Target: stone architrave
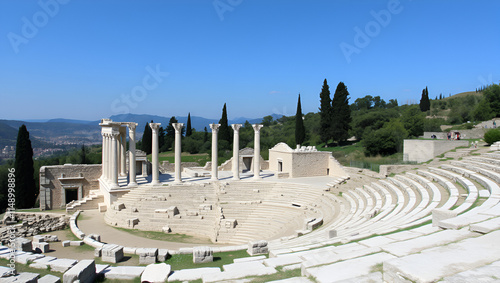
[(147, 255), (155, 180), (215, 130), (256, 151), (112, 253), (236, 151), (132, 170), (83, 271), (178, 151), (123, 151)]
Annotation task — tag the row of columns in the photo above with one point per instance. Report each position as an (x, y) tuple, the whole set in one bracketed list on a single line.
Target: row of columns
[(114, 152)]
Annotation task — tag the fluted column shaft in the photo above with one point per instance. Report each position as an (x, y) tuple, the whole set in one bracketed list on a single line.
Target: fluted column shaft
[(215, 130), (236, 151), (114, 160), (178, 150), (256, 151), (154, 154), (123, 151), (131, 148)]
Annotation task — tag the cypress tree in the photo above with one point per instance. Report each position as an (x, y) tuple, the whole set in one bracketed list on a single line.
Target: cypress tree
[(83, 155), (26, 192), (170, 136), (325, 112), (425, 103), (205, 136), (224, 131), (341, 114), (300, 131), (189, 131), (147, 138)]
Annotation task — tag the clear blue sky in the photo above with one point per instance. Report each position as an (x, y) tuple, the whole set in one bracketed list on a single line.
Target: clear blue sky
[(92, 59)]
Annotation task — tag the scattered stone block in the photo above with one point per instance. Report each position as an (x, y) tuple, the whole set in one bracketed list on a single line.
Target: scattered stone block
[(172, 211), (202, 254), (132, 222), (166, 229), (118, 206), (230, 223), (76, 243), (49, 278), (192, 274), (61, 264), (102, 207), (83, 272), (147, 255), (98, 252), (162, 255), (129, 250), (112, 253), (41, 247), (441, 214), (38, 239), (23, 244), (27, 257), (25, 277), (156, 273), (51, 238), (205, 206), (123, 272), (332, 233), (257, 248), (42, 263)]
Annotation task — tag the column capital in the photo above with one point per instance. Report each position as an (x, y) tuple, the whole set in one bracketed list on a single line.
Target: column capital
[(178, 127), (132, 126), (236, 127), (214, 127), (154, 126), (257, 127)]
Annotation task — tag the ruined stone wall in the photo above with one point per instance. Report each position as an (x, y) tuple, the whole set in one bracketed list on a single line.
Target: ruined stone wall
[(54, 180), (166, 166), (424, 150), (32, 224), (308, 164)]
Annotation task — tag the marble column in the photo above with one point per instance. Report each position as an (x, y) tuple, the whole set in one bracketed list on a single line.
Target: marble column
[(155, 180), (131, 149), (104, 155), (215, 130), (123, 151), (178, 150), (114, 160), (108, 159), (256, 151), (236, 151)]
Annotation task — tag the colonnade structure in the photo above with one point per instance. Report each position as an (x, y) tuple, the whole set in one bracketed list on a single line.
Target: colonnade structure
[(114, 156)]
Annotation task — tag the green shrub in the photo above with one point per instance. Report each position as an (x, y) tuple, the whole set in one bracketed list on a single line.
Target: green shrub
[(492, 136)]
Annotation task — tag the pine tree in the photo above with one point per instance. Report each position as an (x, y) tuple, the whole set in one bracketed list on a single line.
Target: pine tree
[(325, 112), (147, 139), (25, 189), (341, 114), (224, 131), (189, 130), (300, 131)]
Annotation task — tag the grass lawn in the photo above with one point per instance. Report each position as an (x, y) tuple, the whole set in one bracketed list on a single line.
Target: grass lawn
[(200, 158), (184, 261), (181, 238)]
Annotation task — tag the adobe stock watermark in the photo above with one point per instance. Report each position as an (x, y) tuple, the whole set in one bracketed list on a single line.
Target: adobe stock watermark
[(363, 37), (223, 6), (138, 93), (485, 81), (30, 27), (11, 230)]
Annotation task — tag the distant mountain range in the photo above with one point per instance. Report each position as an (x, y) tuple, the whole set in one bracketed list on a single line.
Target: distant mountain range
[(70, 131)]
